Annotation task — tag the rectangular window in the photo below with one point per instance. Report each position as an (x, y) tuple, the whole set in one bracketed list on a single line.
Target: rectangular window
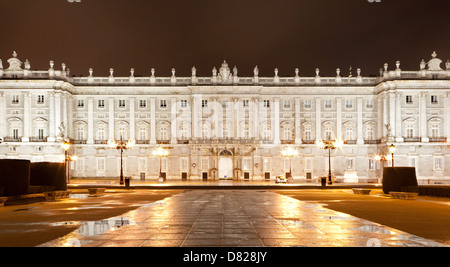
[(184, 103), (434, 99), (247, 163), (40, 99), (409, 99), (121, 103), (307, 104), (266, 164), (184, 164), (101, 164), (438, 163), (80, 103), (142, 164), (348, 104), (369, 103), (15, 134), (205, 164), (287, 104), (162, 103), (204, 103), (142, 103), (266, 103), (350, 164), (327, 103), (371, 164), (308, 164), (245, 103), (15, 99), (101, 103)]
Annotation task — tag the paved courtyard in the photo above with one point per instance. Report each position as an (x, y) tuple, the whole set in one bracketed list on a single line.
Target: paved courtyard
[(242, 218)]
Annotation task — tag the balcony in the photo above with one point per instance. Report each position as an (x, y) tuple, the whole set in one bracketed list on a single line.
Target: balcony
[(142, 142), (183, 141), (349, 142), (100, 142), (12, 139), (372, 142), (308, 142), (227, 141), (38, 139), (287, 142), (412, 139), (79, 142), (438, 139), (163, 142)]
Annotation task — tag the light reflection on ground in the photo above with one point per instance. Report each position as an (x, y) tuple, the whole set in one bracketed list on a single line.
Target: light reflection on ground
[(236, 218)]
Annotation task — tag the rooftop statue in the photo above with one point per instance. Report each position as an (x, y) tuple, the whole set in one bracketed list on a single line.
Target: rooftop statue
[(225, 76)]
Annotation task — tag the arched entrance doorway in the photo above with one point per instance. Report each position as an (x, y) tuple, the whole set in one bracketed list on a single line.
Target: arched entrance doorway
[(225, 164)]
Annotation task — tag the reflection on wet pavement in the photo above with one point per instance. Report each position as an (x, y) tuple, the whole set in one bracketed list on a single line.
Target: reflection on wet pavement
[(236, 218)]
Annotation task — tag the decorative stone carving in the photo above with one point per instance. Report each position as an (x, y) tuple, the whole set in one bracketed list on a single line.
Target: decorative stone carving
[(435, 63), (14, 63)]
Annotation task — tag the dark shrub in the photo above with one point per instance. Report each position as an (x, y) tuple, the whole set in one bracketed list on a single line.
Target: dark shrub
[(48, 174), (394, 178), (14, 176)]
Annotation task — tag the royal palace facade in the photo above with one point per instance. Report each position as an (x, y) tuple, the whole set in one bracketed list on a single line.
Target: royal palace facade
[(226, 126)]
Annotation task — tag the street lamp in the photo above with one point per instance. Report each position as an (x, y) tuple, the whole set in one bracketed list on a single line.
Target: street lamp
[(160, 152), (121, 146), (329, 145), (289, 152), (392, 150)]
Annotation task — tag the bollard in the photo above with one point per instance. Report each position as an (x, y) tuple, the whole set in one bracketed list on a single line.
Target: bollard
[(323, 180), (127, 181)]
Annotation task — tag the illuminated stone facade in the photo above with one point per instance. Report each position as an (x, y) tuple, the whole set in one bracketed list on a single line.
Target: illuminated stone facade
[(230, 126)]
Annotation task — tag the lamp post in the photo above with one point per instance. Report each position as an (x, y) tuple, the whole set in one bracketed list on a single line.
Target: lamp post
[(289, 152), (329, 145), (121, 146), (160, 152), (392, 150)]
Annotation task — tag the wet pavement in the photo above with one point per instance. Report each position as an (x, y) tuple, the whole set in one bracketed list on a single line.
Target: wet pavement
[(243, 218)]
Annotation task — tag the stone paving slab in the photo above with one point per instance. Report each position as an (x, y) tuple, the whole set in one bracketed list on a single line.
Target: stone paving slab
[(217, 218)]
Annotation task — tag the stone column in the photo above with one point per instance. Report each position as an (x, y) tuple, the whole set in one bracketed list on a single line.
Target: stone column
[(70, 113), (398, 118), (392, 110), (52, 127), (447, 116), (236, 130), (26, 116), (173, 120), (298, 135), (385, 114), (65, 118), (276, 120), (360, 137), (318, 118), (57, 113), (339, 118), (153, 120), (132, 119), (90, 106), (255, 117), (2, 116), (111, 135), (423, 117), (196, 106)]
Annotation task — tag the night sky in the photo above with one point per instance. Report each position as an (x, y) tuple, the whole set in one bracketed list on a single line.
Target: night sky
[(166, 34)]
